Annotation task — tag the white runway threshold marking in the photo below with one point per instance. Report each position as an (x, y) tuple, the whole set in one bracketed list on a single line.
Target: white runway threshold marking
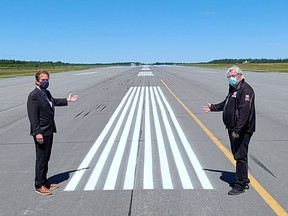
[(125, 158), (145, 73)]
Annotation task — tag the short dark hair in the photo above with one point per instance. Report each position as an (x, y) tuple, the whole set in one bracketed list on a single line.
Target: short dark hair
[(37, 75)]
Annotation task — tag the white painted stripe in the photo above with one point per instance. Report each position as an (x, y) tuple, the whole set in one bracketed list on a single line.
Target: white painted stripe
[(193, 159), (145, 74), (131, 166), (114, 168), (183, 173), (145, 68), (86, 73), (85, 163), (165, 171), (101, 162), (148, 171), (158, 105)]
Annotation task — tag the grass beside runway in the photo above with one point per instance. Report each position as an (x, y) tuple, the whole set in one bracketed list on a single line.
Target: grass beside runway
[(13, 72), (260, 67), (23, 70)]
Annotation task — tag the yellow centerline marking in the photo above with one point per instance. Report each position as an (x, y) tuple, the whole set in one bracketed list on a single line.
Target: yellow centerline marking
[(255, 184)]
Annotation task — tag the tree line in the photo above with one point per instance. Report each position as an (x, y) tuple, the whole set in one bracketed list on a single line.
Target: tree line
[(4, 63), (9, 63), (249, 60)]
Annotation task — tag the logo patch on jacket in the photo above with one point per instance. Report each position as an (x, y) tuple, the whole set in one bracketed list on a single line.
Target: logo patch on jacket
[(247, 98), (234, 94)]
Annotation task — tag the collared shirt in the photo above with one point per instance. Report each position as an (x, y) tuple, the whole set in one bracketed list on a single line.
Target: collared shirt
[(44, 93)]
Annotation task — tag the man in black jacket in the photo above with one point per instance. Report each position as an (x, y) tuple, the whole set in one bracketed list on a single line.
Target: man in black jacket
[(41, 108), (239, 118)]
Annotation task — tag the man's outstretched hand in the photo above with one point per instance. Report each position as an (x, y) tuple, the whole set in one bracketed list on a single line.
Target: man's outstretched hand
[(72, 98)]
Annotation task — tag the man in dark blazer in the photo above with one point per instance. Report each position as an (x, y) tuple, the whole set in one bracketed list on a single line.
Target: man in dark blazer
[(41, 109)]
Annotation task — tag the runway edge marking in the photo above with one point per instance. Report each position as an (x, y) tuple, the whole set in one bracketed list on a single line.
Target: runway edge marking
[(277, 208)]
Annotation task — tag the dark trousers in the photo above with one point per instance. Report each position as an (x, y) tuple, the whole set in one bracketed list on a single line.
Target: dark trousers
[(43, 153), (239, 149)]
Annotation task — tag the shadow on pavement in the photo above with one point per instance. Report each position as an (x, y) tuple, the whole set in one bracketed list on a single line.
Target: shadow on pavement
[(228, 177), (61, 177)]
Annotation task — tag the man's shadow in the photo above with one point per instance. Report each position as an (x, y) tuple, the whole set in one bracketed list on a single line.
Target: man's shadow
[(61, 177), (228, 177)]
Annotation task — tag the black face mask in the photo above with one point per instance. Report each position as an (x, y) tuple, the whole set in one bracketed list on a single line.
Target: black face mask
[(44, 84)]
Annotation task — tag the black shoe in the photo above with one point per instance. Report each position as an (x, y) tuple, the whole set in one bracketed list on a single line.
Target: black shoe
[(246, 186), (237, 189)]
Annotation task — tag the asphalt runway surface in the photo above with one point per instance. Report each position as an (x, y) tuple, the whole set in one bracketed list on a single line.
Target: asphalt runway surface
[(136, 142)]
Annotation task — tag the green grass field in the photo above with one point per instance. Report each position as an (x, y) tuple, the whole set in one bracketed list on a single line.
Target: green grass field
[(12, 72), (262, 67)]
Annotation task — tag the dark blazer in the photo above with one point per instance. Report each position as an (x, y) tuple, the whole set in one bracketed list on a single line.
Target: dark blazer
[(41, 113)]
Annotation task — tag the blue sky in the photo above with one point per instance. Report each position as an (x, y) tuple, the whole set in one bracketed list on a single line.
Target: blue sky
[(103, 31)]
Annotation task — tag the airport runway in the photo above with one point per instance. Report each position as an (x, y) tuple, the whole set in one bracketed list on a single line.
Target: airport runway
[(136, 142)]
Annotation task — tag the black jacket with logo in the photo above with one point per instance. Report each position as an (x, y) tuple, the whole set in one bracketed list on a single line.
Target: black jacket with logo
[(238, 108)]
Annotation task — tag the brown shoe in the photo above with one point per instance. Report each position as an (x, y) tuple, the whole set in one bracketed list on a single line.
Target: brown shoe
[(43, 191), (52, 186)]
